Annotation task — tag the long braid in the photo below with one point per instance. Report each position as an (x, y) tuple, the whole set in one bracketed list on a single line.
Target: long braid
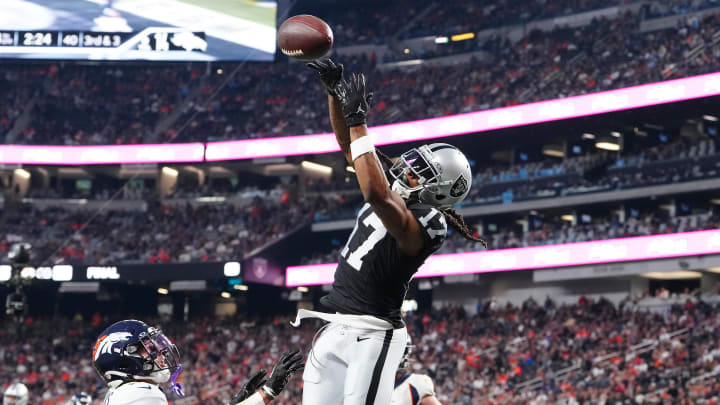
[(458, 223), (453, 217), (384, 158)]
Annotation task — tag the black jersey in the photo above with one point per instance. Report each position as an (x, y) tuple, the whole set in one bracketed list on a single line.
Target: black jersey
[(373, 274)]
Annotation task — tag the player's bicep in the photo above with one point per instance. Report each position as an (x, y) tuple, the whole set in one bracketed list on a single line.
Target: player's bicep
[(400, 223)]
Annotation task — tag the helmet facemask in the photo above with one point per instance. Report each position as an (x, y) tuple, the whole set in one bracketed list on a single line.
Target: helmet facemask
[(162, 358), (419, 162), (443, 174)]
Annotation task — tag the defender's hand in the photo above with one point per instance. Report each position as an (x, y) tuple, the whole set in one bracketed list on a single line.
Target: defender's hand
[(330, 74), (254, 384), (355, 100), (290, 362)]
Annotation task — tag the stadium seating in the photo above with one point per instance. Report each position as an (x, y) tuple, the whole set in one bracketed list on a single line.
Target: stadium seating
[(163, 233), (82, 104), (221, 231)]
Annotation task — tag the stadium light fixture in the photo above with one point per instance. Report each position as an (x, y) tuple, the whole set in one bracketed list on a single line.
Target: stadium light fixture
[(211, 199), (22, 173), (5, 272), (163, 291), (553, 150), (715, 201), (219, 71), (231, 269), (714, 269), (615, 134), (568, 217), (588, 136), (708, 117), (463, 37), (240, 287), (303, 289), (672, 275), (350, 169), (316, 167), (639, 132), (169, 171), (406, 51), (225, 294), (610, 144), (442, 40)]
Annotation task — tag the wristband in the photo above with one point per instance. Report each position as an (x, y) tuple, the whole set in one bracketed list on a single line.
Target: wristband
[(269, 392), (361, 146)]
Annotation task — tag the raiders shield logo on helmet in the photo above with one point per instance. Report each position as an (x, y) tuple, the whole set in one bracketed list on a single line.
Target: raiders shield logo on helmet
[(460, 187)]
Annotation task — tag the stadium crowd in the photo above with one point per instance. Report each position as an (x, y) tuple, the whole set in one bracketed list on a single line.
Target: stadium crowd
[(70, 104), (376, 22), (163, 233), (553, 231), (581, 354), (598, 171), (229, 230)]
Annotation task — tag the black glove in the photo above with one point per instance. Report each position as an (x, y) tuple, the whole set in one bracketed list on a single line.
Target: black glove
[(330, 73), (254, 384), (354, 100), (290, 362)]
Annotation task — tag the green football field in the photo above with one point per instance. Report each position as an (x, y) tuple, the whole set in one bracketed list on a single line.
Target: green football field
[(246, 9)]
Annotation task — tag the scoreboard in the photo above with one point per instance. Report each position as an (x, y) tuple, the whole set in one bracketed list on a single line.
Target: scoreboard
[(62, 39), (153, 43)]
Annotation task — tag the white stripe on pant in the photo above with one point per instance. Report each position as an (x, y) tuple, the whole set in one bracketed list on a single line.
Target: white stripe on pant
[(353, 366)]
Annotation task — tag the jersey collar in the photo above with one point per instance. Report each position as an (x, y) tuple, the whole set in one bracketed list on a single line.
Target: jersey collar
[(402, 379)]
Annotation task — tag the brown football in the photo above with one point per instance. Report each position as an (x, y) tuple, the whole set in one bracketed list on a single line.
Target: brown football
[(304, 37)]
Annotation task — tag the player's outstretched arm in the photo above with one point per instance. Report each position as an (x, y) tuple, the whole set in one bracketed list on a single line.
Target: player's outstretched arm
[(388, 205), (259, 391), (331, 75)]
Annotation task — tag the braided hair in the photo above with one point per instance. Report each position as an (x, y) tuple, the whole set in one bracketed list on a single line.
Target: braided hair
[(454, 218)]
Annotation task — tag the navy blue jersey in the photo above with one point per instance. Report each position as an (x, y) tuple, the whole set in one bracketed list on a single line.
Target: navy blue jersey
[(373, 274)]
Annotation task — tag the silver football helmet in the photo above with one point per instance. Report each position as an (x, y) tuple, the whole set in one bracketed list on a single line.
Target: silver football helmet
[(442, 170), (16, 394)]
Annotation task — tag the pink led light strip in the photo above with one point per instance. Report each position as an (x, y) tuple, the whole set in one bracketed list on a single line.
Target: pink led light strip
[(570, 254), (571, 107), (101, 154), (559, 109)]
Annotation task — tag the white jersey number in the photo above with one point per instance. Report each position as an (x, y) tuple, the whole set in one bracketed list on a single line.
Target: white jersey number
[(355, 259)]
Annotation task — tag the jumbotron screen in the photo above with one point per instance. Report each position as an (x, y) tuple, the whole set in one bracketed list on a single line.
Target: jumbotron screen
[(161, 30)]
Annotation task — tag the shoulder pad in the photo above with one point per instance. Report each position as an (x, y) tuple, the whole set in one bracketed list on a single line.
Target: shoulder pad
[(136, 393), (423, 384), (433, 223)]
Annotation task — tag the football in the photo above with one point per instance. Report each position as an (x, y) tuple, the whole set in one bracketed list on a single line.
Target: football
[(304, 37)]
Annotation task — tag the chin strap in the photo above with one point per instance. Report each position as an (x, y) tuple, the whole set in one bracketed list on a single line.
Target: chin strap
[(400, 188), (176, 387)]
